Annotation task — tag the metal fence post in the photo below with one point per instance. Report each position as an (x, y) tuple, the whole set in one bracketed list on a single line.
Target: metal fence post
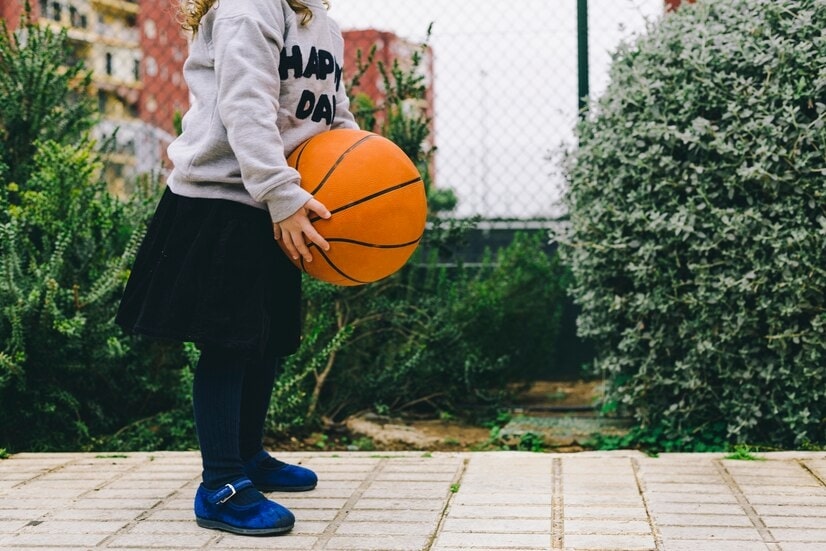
[(582, 54)]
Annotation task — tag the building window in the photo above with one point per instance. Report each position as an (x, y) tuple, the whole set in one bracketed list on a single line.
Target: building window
[(57, 11), (136, 69), (151, 66), (109, 63)]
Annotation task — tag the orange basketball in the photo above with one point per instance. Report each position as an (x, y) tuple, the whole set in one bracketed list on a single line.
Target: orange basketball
[(377, 200)]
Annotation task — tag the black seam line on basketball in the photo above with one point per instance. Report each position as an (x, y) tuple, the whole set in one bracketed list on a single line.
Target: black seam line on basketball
[(338, 162), (337, 269), (300, 153), (372, 245), (315, 218)]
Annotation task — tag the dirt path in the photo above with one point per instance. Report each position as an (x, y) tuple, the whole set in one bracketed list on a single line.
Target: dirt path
[(369, 431)]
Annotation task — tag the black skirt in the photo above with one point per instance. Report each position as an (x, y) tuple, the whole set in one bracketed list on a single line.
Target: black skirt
[(210, 272)]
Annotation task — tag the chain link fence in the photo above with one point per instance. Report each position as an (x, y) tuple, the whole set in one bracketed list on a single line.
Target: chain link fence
[(504, 88), (502, 80)]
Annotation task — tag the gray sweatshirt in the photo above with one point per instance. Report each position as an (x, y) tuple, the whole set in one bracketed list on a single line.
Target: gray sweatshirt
[(261, 85)]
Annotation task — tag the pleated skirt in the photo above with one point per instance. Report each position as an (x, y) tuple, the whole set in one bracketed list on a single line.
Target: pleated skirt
[(209, 271)]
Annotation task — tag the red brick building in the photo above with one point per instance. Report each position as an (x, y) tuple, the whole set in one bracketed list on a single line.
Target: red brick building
[(671, 5), (164, 47), (389, 48), (136, 53), (10, 12)]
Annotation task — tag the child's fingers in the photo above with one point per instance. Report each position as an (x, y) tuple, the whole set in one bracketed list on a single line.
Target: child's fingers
[(315, 237), (287, 240), (299, 245), (317, 207)]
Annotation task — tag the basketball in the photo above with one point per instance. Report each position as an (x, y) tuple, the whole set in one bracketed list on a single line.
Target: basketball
[(377, 199)]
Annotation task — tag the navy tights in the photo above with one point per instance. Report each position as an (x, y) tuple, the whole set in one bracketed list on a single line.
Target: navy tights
[(231, 397)]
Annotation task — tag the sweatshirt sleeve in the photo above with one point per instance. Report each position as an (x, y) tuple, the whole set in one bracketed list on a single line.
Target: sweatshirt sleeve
[(248, 86)]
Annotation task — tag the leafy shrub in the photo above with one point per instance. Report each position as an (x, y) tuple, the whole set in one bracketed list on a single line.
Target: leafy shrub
[(42, 97), (67, 374), (65, 247), (698, 218), (429, 337)]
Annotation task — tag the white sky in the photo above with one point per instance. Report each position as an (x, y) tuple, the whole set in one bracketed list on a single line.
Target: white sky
[(505, 86)]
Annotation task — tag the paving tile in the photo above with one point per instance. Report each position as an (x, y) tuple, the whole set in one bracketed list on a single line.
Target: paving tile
[(286, 542), (50, 526), (492, 511), (711, 533), (119, 513), (771, 488), (521, 525), (605, 527), (484, 540), (111, 503), (784, 510), (610, 542), (12, 526), (605, 512), (661, 507), (23, 514), (467, 498), (160, 527), (23, 540), (802, 499), (380, 515), (395, 528), (372, 543), (687, 519), (400, 504), (706, 545), (161, 541), (445, 476), (794, 522), (800, 534), (800, 546)]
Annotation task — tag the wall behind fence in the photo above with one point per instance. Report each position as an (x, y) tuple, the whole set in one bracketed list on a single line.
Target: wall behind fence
[(503, 83)]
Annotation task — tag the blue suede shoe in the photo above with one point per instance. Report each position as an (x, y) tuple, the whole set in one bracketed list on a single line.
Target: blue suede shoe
[(214, 509), (270, 475)]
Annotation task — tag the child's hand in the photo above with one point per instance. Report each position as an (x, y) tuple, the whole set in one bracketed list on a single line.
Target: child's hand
[(291, 230)]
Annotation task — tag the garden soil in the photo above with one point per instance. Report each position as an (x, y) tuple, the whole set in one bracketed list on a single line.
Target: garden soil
[(562, 413)]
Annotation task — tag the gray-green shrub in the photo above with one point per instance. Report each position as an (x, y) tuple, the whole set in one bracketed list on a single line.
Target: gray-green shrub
[(697, 195)]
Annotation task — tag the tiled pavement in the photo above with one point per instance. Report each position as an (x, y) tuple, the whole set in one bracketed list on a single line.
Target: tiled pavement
[(437, 502)]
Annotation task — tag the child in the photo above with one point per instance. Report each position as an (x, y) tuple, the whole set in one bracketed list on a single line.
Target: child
[(264, 77)]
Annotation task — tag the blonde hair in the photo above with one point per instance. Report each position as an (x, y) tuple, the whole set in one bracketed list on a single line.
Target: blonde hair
[(192, 11)]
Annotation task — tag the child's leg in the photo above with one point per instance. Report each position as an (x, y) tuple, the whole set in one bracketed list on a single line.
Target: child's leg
[(259, 378), (266, 472), (216, 397)]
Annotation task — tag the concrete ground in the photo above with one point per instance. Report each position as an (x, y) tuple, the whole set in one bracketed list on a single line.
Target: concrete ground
[(483, 501)]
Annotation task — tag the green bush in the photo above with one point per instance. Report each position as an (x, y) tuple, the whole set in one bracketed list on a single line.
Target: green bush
[(42, 96), (698, 226), (430, 338), (67, 373)]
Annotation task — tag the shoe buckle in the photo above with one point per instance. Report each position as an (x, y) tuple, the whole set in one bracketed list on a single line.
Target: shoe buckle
[(232, 493)]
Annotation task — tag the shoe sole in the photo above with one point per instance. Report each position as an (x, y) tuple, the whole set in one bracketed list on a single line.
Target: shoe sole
[(285, 488), (215, 525)]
